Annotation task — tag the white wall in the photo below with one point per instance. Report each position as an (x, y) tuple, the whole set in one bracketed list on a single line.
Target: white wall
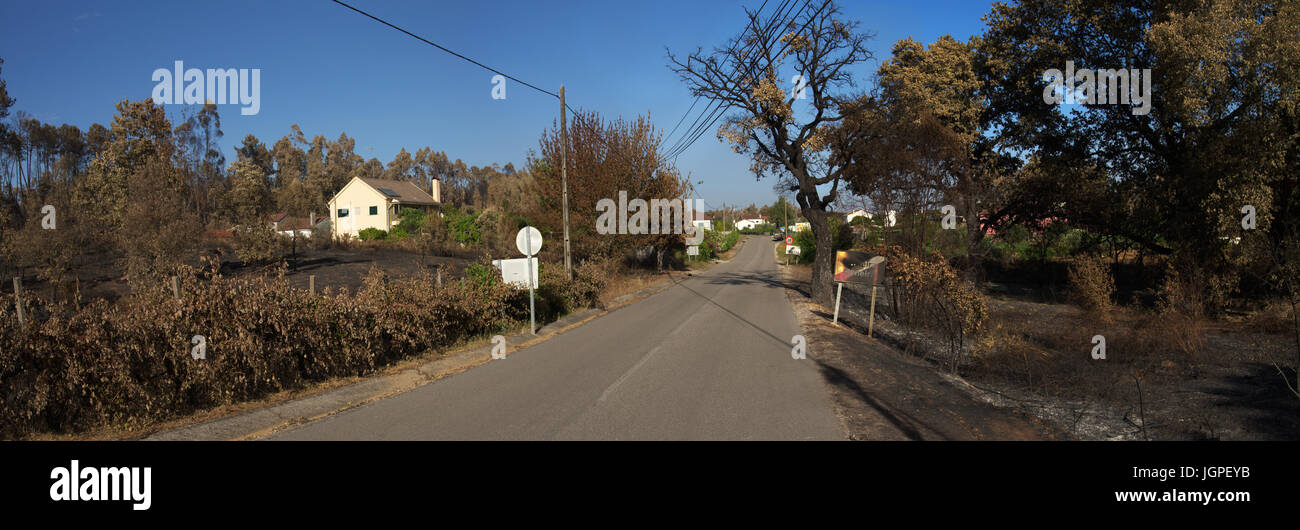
[(357, 198)]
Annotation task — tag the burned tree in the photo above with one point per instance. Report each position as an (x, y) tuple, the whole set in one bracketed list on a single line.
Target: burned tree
[(785, 133)]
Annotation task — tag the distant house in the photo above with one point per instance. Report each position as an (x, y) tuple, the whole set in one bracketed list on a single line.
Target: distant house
[(701, 221), (849, 217), (375, 203), (746, 224), (890, 216), (800, 227), (300, 226)]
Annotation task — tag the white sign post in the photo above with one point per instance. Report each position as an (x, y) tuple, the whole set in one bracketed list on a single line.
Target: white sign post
[(839, 288), (529, 241)]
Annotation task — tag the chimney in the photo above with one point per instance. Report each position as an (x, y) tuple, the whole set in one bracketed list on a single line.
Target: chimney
[(433, 189)]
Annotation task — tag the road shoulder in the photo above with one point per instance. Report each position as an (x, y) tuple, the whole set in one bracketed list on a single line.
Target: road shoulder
[(880, 394)]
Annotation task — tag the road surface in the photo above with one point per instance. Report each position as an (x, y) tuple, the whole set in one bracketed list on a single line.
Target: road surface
[(706, 359)]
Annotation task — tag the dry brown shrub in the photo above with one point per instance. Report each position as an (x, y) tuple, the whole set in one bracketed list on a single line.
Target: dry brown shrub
[(1092, 287), (130, 363), (931, 294)]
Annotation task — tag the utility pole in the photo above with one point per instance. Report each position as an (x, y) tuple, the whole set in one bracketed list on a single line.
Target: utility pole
[(564, 179), (785, 215)]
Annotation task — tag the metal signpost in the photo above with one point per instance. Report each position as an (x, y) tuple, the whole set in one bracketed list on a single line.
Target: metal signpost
[(529, 241)]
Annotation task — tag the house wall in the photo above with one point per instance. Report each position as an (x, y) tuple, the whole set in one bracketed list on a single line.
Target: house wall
[(357, 198)]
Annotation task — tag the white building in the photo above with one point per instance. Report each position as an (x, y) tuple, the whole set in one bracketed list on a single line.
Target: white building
[(288, 226), (701, 222), (849, 217), (375, 203), (746, 224), (890, 219)]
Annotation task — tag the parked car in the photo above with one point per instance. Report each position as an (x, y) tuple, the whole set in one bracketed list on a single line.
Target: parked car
[(777, 235)]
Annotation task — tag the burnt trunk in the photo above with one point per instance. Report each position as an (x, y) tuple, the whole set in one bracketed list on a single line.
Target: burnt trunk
[(823, 270)]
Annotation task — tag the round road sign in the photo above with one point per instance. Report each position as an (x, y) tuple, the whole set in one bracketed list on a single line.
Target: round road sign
[(522, 240)]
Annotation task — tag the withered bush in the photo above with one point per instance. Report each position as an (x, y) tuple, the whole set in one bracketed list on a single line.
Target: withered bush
[(256, 243), (1179, 326), (1092, 286), (73, 369), (930, 294)]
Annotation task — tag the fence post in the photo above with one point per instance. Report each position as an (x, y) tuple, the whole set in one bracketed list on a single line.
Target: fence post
[(839, 288), (18, 301), (176, 287), (311, 284), (440, 276), (871, 322)]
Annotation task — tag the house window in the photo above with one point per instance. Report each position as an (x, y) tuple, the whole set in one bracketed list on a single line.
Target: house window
[(343, 212), (374, 210)]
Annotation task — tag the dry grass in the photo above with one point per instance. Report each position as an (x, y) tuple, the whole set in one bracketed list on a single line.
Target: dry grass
[(1276, 318)]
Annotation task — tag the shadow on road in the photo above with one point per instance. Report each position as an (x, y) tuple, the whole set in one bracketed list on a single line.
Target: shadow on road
[(785, 345)]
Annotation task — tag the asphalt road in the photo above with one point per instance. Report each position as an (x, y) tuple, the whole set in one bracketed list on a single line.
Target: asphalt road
[(706, 359)]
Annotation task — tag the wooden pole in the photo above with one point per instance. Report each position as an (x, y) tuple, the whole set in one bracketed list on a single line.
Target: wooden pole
[(176, 287), (311, 284), (18, 301), (564, 180), (871, 322)]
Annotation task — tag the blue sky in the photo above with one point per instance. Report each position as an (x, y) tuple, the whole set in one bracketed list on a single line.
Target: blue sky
[(331, 70)]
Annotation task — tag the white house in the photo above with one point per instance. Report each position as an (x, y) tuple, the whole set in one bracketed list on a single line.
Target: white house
[(375, 203), (849, 217), (890, 219), (701, 222), (291, 226)]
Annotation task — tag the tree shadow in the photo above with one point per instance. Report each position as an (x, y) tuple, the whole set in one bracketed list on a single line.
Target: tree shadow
[(786, 345), (905, 423), (1260, 400)]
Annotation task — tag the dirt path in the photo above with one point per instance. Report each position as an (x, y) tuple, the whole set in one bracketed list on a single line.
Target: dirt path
[(879, 394)]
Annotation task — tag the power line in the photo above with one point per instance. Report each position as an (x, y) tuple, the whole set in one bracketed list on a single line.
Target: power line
[(709, 122), (440, 47), (690, 131), (697, 98), (688, 113), (711, 109)]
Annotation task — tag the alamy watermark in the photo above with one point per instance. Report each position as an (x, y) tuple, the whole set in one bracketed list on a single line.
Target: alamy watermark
[(1121, 86), (639, 216), (222, 86), (76, 483)]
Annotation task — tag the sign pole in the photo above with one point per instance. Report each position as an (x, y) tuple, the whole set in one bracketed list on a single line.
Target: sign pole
[(871, 322), (532, 312), (839, 288)]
